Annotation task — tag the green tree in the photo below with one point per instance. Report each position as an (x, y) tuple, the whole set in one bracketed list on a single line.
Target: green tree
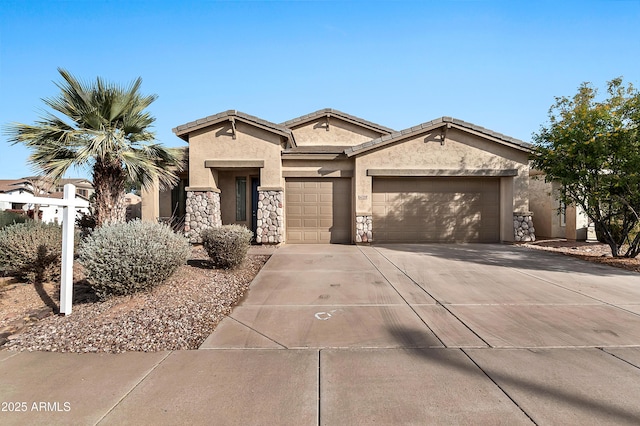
[(105, 127), (592, 148)]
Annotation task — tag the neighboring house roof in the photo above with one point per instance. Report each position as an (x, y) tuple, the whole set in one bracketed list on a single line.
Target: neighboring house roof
[(329, 112), (7, 185), (434, 124), (77, 182), (60, 195), (43, 183), (183, 130)]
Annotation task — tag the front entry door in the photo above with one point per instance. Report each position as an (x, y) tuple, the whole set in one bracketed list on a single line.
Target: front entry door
[(255, 183)]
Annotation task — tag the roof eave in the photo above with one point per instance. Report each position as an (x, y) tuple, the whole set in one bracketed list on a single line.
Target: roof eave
[(302, 120), (432, 125), (184, 130)]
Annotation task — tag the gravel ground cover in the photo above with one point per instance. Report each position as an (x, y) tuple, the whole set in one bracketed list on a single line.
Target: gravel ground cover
[(178, 314)]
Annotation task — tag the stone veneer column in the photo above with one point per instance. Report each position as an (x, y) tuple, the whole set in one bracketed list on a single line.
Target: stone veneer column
[(364, 229), (202, 212), (270, 217), (523, 227)]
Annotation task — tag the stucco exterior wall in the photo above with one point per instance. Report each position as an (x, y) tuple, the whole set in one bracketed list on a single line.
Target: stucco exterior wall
[(544, 204), (541, 206), (318, 168), (150, 201), (217, 143), (340, 133), (460, 151)]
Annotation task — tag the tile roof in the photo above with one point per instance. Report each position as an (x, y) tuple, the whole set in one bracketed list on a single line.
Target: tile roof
[(338, 114), (434, 124), (183, 130), (11, 184)]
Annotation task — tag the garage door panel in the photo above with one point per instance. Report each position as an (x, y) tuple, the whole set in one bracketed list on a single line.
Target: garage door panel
[(295, 222), (436, 209), (309, 210), (322, 211), (295, 210), (294, 198), (310, 223)]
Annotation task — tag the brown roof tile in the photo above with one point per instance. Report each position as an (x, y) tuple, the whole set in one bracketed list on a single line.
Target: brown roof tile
[(294, 122), (433, 124), (183, 130)]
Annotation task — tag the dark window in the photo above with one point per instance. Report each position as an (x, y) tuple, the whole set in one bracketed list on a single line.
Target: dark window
[(241, 198)]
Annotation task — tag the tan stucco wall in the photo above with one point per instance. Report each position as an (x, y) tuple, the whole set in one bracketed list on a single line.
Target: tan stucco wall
[(541, 206), (544, 205), (150, 207), (317, 168), (461, 151), (340, 133), (217, 143)]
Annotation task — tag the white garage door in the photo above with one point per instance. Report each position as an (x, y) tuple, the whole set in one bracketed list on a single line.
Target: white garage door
[(436, 209), (318, 210)]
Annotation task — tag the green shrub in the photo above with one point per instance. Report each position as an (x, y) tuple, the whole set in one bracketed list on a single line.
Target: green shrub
[(227, 246), (31, 251), (9, 218), (125, 258)]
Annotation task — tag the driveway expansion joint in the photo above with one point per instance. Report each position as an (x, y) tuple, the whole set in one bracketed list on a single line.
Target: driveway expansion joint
[(438, 302), (499, 387), (123, 397)]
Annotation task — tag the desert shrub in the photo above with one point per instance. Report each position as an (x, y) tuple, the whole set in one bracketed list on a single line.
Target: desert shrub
[(129, 257), (227, 245), (9, 218), (31, 251)]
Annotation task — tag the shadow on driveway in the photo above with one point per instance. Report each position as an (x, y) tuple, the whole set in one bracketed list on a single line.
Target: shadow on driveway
[(506, 255), (527, 387)]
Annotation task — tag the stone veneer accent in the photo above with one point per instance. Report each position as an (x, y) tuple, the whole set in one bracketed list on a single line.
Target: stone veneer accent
[(523, 227), (202, 212), (364, 229), (270, 217)]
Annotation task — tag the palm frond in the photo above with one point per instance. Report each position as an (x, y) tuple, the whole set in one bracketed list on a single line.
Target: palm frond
[(98, 123)]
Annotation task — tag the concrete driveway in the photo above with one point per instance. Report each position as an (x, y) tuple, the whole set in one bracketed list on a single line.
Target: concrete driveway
[(397, 334), (419, 334)]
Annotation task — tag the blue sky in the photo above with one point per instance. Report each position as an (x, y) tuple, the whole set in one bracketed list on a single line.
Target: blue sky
[(396, 63)]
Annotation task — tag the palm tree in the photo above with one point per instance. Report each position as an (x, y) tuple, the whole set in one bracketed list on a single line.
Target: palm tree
[(105, 127)]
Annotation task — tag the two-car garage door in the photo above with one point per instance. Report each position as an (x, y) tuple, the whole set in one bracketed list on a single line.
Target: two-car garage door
[(452, 209)]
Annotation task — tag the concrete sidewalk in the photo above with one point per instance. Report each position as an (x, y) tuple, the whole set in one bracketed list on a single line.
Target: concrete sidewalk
[(402, 334)]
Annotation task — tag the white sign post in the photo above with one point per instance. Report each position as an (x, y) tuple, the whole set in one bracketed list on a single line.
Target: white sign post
[(69, 205), (68, 231)]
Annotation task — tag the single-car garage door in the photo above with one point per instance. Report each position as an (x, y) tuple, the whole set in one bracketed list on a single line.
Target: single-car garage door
[(436, 209), (318, 210)]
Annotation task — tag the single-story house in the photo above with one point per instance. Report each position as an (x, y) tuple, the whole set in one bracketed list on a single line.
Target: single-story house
[(331, 177)]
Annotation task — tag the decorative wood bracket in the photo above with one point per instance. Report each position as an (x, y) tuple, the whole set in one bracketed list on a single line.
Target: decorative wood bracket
[(233, 127), (443, 133)]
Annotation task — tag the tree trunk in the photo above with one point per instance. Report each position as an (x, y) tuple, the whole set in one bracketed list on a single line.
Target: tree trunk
[(109, 202)]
